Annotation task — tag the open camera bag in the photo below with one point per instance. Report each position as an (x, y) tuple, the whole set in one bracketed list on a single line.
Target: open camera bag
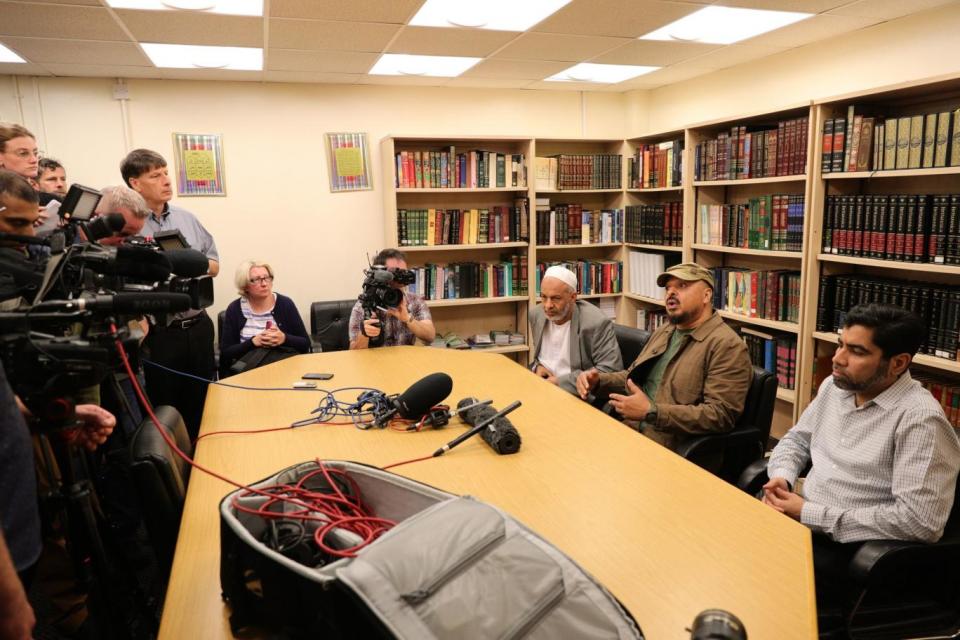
[(452, 567)]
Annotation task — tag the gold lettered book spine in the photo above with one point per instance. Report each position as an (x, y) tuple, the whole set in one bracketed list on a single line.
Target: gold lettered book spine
[(942, 139), (916, 142), (890, 144), (929, 138), (955, 142), (903, 142)]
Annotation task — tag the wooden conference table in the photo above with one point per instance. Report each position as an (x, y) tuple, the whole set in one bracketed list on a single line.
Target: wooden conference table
[(667, 538)]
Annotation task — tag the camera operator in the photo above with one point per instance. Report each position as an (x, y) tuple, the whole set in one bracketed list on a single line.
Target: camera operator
[(130, 205), (401, 325), (185, 343)]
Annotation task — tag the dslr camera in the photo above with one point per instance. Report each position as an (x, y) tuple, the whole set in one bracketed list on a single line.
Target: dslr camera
[(379, 294)]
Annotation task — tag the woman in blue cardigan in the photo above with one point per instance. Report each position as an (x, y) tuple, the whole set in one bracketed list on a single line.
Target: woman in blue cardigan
[(259, 318)]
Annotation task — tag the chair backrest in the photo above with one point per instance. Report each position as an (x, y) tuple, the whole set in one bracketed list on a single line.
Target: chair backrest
[(759, 405), (330, 323), (631, 341), (161, 478)]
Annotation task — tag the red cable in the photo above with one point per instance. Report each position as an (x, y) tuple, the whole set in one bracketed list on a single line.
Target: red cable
[(397, 464), (218, 433)]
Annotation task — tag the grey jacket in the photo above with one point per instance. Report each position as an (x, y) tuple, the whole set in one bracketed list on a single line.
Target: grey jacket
[(592, 342)]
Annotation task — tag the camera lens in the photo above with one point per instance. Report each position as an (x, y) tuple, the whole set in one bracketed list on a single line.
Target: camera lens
[(717, 624), (392, 297)]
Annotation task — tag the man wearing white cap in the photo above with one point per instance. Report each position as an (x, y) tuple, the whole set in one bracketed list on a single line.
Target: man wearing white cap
[(570, 335)]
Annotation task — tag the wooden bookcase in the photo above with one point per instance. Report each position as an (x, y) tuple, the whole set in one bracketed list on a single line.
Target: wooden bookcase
[(739, 191), (477, 315), (893, 101), (464, 316)]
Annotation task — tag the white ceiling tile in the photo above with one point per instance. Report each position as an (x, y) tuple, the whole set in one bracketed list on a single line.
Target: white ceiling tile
[(89, 3), (488, 83), (212, 74), (811, 30), (312, 76), (325, 61), (181, 27), (21, 69), (44, 20), (102, 70), (437, 41), (733, 54), (79, 51), (517, 69), (624, 18), (313, 35), (556, 46), (803, 6), (887, 9), (669, 75), (408, 81), (389, 11), (654, 53)]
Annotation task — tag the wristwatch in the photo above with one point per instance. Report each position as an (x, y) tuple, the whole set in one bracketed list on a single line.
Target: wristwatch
[(651, 417)]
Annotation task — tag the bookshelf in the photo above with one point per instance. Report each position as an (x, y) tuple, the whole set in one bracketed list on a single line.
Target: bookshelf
[(741, 222), (852, 209), (442, 227)]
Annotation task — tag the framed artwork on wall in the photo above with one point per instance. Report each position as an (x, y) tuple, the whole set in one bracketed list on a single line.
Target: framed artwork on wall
[(348, 160), (199, 160)]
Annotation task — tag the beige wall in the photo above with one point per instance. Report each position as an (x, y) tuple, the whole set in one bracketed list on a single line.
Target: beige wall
[(920, 46), (279, 208)]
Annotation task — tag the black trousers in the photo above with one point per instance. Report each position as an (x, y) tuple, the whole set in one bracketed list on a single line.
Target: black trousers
[(831, 562), (185, 349)]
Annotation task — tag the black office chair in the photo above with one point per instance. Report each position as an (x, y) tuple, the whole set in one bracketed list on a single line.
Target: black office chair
[(330, 325), (161, 479), (727, 454), (216, 345), (896, 589), (631, 342)]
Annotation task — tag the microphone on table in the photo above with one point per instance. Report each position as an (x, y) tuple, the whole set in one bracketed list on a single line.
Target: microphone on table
[(417, 400), (491, 424)]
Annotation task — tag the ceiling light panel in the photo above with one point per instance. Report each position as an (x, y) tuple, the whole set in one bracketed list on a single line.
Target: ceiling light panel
[(502, 15), (600, 73), (229, 7), (397, 64), (9, 56), (184, 56), (724, 25)]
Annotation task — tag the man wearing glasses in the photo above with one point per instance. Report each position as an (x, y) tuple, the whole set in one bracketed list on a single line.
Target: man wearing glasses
[(185, 343)]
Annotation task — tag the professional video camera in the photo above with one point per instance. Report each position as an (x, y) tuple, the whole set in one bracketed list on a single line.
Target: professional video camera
[(81, 299), (379, 295)]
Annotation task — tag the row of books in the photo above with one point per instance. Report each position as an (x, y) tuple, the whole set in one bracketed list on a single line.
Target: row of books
[(864, 141), (655, 224), (756, 151), (656, 165), (938, 305), (447, 169), (946, 392), (571, 224), (772, 223), (905, 227), (777, 353), (650, 320), (644, 269), (772, 295), (578, 171), (495, 338), (429, 227), (593, 276), (471, 279)]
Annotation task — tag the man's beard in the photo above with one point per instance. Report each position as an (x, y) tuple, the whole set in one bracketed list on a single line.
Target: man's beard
[(849, 385)]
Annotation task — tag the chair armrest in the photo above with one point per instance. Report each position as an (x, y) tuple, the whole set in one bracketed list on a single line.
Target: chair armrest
[(718, 442), (753, 477), (315, 345), (873, 554)]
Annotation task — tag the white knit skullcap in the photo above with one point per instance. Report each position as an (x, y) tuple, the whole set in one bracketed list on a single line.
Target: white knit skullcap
[(563, 274)]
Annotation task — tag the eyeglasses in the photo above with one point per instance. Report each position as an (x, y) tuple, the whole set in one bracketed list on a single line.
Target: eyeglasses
[(26, 153), (261, 280)]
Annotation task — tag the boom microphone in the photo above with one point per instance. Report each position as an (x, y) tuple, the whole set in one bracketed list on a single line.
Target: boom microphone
[(423, 395), (124, 302), (187, 263), (501, 435)]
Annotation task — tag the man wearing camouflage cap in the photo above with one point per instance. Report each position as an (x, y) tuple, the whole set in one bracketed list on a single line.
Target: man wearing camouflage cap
[(693, 374)]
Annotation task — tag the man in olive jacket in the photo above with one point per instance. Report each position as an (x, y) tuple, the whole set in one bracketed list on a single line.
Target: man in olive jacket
[(693, 374)]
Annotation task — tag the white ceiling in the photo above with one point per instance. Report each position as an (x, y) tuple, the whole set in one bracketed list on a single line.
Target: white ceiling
[(338, 41)]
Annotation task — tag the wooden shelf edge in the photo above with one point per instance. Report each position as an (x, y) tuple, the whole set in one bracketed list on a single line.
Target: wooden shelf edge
[(891, 173), (789, 327), (928, 267), (787, 395), (653, 189), (797, 177), (795, 255), (561, 191), (922, 359), (457, 189), (463, 302), (639, 298), (457, 247), (576, 246), (655, 247)]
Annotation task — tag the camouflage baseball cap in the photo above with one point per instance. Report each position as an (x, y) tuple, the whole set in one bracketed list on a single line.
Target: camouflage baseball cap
[(689, 271)]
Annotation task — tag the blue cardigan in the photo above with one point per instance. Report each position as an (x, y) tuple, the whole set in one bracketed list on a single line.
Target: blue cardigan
[(285, 316)]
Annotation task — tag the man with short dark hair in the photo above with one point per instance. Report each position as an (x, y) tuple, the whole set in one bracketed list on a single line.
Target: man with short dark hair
[(693, 374), (401, 325), (185, 343), (51, 177), (885, 459)]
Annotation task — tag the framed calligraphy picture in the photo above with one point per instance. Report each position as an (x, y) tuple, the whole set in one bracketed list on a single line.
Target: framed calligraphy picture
[(199, 164), (348, 159)]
